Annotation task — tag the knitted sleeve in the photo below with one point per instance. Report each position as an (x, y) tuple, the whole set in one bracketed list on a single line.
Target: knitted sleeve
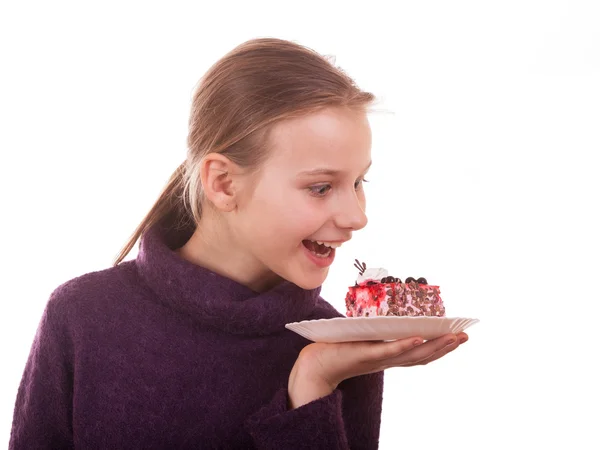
[(43, 409), (348, 418)]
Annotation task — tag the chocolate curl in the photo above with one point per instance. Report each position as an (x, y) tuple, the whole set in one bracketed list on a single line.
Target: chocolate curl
[(360, 266)]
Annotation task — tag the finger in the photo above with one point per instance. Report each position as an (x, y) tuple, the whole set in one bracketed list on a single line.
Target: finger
[(382, 351), (424, 351), (461, 339), (437, 355)]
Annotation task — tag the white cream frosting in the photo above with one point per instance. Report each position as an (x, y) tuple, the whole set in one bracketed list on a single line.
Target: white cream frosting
[(375, 274)]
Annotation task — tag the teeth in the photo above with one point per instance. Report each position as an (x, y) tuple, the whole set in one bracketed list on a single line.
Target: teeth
[(324, 255), (329, 244)]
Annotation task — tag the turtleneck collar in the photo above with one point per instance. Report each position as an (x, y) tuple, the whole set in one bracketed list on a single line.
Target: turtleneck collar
[(212, 299)]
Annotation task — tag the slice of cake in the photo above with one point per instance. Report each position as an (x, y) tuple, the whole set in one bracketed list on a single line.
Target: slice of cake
[(377, 294)]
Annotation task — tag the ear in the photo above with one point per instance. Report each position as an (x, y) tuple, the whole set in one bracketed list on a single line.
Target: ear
[(217, 174)]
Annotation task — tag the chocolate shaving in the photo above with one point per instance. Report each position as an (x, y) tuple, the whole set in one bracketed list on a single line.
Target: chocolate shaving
[(360, 266)]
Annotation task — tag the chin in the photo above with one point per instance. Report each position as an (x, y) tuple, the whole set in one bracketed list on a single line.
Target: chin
[(310, 282)]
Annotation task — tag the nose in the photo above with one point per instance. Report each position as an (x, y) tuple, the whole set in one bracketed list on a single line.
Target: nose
[(351, 212)]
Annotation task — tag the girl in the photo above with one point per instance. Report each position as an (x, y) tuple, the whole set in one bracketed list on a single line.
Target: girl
[(185, 346)]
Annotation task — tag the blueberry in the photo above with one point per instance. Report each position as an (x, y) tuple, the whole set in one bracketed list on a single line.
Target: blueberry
[(409, 279), (422, 281)]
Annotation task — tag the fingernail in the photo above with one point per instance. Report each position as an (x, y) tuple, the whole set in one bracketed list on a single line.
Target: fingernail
[(463, 340)]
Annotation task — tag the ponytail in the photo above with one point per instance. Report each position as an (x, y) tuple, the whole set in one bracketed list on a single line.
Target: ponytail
[(168, 211)]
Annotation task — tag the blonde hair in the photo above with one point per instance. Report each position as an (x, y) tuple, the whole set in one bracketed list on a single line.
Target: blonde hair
[(258, 83)]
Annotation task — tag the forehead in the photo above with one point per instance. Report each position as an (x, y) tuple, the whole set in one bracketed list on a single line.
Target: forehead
[(336, 138)]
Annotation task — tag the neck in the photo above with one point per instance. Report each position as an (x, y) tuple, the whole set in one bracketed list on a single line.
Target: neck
[(213, 247)]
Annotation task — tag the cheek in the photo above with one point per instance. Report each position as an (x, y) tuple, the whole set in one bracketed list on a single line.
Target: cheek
[(302, 216), (273, 214), (289, 219)]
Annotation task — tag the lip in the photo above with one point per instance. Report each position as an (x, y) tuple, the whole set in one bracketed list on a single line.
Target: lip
[(319, 262)]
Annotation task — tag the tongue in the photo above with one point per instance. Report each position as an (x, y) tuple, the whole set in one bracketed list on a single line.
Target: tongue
[(314, 247)]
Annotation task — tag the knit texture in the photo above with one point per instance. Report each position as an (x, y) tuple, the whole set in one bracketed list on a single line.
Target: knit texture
[(159, 353)]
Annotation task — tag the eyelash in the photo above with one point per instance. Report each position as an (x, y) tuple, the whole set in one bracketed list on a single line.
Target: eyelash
[(315, 190)]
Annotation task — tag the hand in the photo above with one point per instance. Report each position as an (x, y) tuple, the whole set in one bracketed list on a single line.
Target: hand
[(321, 367)]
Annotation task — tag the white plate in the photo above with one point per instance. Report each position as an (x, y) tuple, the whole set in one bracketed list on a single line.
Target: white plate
[(379, 328)]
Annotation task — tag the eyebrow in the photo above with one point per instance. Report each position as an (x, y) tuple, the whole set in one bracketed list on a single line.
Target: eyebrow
[(323, 171)]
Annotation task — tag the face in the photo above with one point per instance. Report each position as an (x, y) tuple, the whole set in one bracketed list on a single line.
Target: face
[(309, 190)]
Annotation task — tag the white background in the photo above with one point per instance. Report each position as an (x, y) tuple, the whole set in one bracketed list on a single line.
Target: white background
[(484, 181)]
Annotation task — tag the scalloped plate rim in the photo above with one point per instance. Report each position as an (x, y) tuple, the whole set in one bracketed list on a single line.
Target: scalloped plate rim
[(375, 327), (384, 318)]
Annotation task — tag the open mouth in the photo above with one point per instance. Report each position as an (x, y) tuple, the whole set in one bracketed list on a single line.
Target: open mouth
[(320, 249)]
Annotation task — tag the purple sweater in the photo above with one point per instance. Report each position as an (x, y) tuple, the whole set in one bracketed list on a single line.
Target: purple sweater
[(159, 353)]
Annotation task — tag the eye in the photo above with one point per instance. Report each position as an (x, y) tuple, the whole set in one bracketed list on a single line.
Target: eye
[(358, 183), (320, 190)]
